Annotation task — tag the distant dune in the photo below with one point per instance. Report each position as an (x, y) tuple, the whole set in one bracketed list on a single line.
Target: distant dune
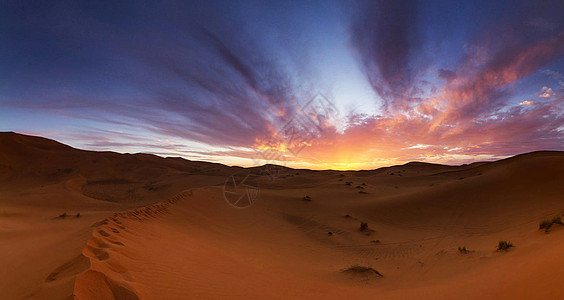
[(78, 224)]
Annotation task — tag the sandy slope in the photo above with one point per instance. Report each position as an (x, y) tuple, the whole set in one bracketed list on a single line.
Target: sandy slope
[(194, 245), (41, 179)]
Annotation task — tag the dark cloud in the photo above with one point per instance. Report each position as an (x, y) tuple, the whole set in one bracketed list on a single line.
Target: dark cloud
[(199, 73), (388, 39)]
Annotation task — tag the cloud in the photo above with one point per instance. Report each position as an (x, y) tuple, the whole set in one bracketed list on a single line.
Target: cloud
[(388, 41), (418, 146), (546, 92), (485, 85), (388, 37), (507, 131), (218, 84), (527, 103)]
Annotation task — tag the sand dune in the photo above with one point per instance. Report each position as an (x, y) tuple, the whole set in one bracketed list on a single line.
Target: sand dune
[(160, 228)]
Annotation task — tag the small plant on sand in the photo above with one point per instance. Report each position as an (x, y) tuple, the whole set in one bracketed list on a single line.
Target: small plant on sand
[(63, 215), (347, 216), (545, 224), (362, 192), (463, 250), (306, 198), (504, 245), (363, 226), (348, 183), (77, 215)]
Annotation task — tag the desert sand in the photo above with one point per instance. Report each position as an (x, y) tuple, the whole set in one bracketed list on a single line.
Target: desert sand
[(83, 225)]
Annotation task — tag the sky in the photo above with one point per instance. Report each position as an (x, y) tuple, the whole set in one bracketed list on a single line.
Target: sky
[(306, 84)]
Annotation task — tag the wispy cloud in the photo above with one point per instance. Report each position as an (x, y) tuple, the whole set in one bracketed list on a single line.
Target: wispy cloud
[(388, 39)]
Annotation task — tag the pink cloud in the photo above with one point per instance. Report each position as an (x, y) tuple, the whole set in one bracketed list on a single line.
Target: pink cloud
[(546, 92)]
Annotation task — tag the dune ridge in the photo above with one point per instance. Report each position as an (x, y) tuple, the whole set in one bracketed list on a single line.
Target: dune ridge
[(108, 279)]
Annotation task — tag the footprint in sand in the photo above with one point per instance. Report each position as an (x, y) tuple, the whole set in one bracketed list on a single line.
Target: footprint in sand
[(71, 268), (100, 254), (118, 243)]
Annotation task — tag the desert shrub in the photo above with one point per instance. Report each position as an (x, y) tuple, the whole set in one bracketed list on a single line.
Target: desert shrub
[(545, 224), (348, 183), (362, 192), (359, 187), (307, 198), (77, 215), (363, 226), (63, 215), (504, 245), (347, 216), (463, 249)]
